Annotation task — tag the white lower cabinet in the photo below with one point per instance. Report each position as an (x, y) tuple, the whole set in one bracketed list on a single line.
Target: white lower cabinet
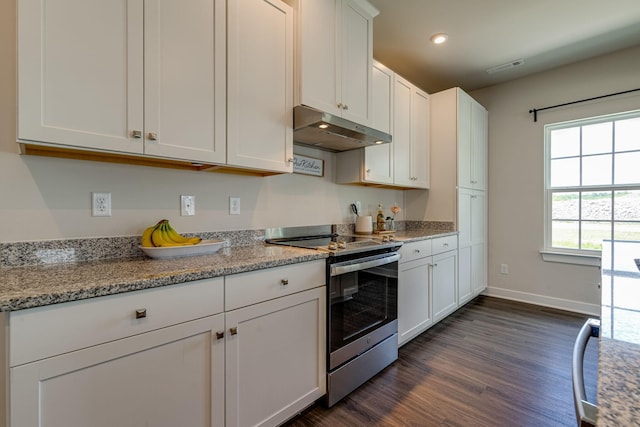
[(158, 362), (170, 377), (427, 285), (275, 358), (172, 356), (444, 288)]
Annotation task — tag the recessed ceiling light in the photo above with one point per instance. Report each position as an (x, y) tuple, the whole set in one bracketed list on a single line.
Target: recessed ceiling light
[(439, 38)]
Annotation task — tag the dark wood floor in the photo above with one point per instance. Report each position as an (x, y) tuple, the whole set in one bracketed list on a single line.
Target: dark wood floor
[(492, 363)]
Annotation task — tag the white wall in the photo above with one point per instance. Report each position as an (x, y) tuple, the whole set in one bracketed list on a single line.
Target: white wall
[(516, 183), (46, 198)]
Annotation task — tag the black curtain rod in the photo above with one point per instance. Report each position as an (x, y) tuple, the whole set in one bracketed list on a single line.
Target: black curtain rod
[(535, 110)]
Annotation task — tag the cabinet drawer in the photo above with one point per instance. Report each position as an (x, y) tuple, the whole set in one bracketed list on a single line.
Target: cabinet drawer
[(51, 330), (444, 244), (415, 250), (256, 286)]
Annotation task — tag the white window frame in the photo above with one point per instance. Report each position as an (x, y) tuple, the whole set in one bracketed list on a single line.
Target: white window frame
[(567, 255)]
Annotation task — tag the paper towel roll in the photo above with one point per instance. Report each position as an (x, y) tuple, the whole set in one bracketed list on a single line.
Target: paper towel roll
[(364, 225)]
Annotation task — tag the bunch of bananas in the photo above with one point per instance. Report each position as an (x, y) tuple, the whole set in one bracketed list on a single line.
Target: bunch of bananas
[(163, 235)]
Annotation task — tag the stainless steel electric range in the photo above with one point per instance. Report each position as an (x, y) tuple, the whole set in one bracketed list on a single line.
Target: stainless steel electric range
[(362, 299)]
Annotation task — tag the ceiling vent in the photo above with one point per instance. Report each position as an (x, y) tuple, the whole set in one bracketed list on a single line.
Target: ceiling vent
[(503, 67)]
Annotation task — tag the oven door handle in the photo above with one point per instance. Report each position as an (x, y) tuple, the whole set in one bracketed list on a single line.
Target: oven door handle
[(350, 266)]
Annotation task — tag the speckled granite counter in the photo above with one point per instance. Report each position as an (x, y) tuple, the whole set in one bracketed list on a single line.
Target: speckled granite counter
[(38, 285), (619, 357)]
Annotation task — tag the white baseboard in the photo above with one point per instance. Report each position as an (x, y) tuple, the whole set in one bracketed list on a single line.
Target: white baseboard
[(562, 304)]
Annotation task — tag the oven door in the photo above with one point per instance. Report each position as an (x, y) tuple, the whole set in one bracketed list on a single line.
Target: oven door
[(363, 309)]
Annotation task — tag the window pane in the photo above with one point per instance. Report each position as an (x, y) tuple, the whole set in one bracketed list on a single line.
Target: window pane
[(596, 170), (596, 205), (593, 233), (564, 234), (627, 231), (565, 172), (565, 142), (628, 168), (627, 206), (565, 206), (597, 138), (628, 134)]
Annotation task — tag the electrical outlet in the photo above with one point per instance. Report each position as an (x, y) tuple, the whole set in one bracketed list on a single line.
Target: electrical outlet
[(101, 204), (234, 205), (504, 268), (187, 205)]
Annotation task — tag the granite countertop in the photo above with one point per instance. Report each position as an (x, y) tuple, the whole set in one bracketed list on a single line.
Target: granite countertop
[(619, 357), (37, 285), (59, 280)]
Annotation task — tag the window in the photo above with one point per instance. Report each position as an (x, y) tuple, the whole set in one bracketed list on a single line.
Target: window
[(592, 174)]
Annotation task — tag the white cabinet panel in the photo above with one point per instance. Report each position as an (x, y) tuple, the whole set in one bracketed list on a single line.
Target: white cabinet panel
[(419, 165), (128, 77), (414, 299), (276, 362), (335, 57), (444, 287), (165, 378), (80, 73), (184, 80), (260, 85)]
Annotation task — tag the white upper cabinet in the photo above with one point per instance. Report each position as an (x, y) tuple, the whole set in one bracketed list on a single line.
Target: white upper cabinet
[(126, 77), (335, 55), (260, 85), (410, 135), (472, 142)]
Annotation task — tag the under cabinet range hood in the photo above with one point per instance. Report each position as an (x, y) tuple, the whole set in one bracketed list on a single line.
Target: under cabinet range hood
[(332, 133)]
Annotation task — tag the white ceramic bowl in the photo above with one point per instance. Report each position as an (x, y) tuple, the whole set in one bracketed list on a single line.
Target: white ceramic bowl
[(203, 248)]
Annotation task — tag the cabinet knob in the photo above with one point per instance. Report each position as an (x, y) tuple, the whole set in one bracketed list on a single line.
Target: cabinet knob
[(233, 331), (290, 160), (284, 282), (153, 136), (345, 107), (445, 244), (219, 335), (368, 171), (416, 251), (136, 134), (141, 313), (340, 105)]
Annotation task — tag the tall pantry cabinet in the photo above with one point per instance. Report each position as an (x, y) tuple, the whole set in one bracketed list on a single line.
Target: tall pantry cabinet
[(458, 191)]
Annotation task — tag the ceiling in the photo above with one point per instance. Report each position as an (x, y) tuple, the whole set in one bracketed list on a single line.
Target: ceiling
[(488, 33)]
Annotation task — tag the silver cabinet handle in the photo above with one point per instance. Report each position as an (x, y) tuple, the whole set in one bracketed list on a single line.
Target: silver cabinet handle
[(445, 244), (284, 282), (141, 313), (136, 134), (219, 335), (340, 105), (152, 136), (233, 331)]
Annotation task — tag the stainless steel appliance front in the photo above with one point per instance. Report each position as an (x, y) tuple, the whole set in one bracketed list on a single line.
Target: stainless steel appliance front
[(362, 320)]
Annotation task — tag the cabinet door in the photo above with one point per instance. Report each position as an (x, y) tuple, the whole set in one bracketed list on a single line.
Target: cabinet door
[(419, 139), (169, 377), (414, 308), (444, 284), (465, 273), (464, 140), (479, 140), (185, 79), (80, 73), (356, 41), (317, 55), (478, 268), (276, 361), (260, 85), (402, 131), (378, 159)]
